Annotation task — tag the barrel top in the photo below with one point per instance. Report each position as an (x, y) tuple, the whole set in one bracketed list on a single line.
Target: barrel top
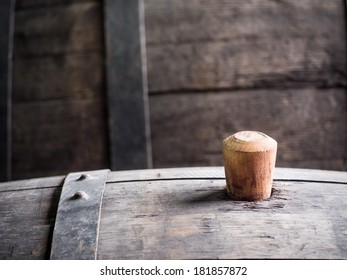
[(185, 213)]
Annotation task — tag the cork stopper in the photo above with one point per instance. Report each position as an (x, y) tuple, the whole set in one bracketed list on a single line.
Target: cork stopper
[(249, 163)]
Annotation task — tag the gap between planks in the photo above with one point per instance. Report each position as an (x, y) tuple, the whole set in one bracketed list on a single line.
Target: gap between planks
[(217, 173), (180, 174), (220, 178)]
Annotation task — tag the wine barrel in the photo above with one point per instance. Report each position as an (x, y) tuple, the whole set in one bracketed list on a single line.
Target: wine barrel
[(181, 213)]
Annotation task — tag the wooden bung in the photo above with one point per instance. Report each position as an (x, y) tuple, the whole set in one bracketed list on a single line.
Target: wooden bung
[(249, 163)]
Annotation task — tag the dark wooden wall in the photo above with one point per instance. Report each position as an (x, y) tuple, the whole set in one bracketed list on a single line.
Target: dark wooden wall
[(217, 67), (214, 68), (59, 116)]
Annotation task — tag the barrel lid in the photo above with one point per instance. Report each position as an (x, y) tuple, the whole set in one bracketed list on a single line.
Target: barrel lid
[(249, 141)]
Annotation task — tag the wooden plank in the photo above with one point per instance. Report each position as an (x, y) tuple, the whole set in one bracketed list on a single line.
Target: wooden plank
[(27, 221), (25, 4), (76, 228), (130, 146), (189, 21), (31, 184), (183, 173), (58, 88), (6, 45), (58, 137), (194, 173), (312, 175), (57, 30), (245, 44), (195, 219), (70, 76), (217, 173), (194, 125)]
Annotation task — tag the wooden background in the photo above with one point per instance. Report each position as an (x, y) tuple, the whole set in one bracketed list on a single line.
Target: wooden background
[(214, 68)]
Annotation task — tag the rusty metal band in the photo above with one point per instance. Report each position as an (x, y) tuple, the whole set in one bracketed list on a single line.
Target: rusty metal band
[(76, 229)]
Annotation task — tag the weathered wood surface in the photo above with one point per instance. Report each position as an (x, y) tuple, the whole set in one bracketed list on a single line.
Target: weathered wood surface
[(185, 213), (208, 60), (58, 53), (308, 124), (217, 173), (59, 29), (218, 48), (245, 44), (59, 110), (224, 44), (179, 218), (127, 93), (32, 184), (27, 210), (70, 76), (57, 137), (196, 219)]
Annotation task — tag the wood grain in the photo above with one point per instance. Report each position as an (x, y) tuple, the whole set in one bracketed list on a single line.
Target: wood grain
[(31, 184), (187, 129), (245, 153), (59, 111), (217, 173), (194, 219), (72, 76), (245, 44), (58, 137), (59, 29), (57, 58), (27, 221)]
